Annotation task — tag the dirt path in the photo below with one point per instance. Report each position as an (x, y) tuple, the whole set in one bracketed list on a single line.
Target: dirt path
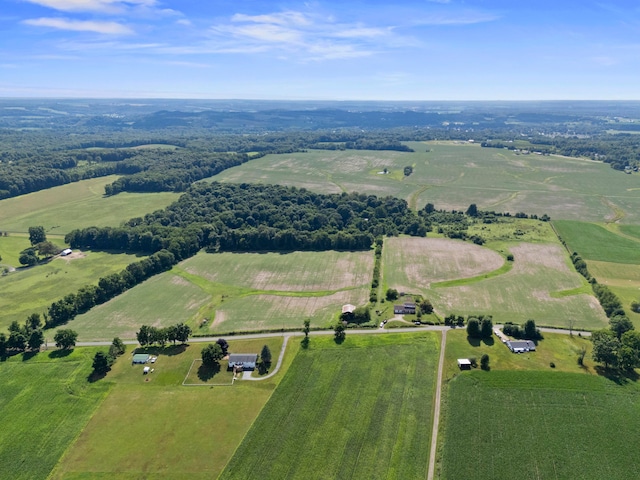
[(436, 410)]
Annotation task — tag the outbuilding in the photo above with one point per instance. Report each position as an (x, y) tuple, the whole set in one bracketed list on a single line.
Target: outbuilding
[(65, 252), (246, 360), (464, 364), (521, 346), (140, 358)]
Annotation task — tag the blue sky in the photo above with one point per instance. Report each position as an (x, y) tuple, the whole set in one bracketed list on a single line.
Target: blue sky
[(321, 50)]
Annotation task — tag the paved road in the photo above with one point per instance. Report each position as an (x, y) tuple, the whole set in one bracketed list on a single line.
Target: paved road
[(436, 410)]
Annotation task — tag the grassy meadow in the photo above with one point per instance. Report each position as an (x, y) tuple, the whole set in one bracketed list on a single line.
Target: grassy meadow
[(150, 426), (362, 409), (539, 424), (46, 401), (452, 175), (77, 205), (33, 289)]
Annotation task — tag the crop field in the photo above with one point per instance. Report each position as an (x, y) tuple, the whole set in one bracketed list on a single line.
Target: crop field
[(237, 291), (594, 242), (541, 286), (78, 205), (452, 175), (539, 425), (46, 401), (30, 290), (150, 426), (413, 264), (623, 280), (160, 301), (357, 410)]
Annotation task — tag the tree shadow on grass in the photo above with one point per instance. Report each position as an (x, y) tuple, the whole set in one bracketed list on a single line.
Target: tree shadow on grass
[(29, 355), (474, 342), (621, 377), (207, 372), (169, 350), (305, 343), (60, 353), (263, 368), (95, 376), (488, 341)]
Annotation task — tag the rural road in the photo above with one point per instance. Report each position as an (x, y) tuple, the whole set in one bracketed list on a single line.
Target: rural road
[(436, 410)]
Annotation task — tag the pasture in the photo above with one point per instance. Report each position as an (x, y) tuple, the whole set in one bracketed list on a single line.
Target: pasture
[(78, 205), (46, 401), (452, 175), (161, 429), (537, 424), (33, 289), (362, 409)]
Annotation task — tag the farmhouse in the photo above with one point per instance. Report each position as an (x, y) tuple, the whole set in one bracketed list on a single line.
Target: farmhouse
[(140, 358), (408, 308), (521, 346), (245, 360)]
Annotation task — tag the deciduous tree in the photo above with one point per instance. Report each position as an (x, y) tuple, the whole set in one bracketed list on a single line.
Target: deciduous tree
[(65, 338), (211, 354)]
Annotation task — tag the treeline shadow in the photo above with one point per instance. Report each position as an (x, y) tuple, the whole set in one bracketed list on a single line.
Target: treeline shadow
[(620, 377), (168, 350), (475, 342)]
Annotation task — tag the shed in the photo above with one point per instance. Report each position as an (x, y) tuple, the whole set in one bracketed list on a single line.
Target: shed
[(246, 360), (348, 308), (464, 364), (146, 370), (140, 358), (65, 252)]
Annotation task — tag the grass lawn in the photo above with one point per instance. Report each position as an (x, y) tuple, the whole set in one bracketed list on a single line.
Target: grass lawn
[(358, 410), (10, 248), (594, 242), (539, 424), (150, 426), (453, 175), (78, 205), (33, 289), (45, 401)]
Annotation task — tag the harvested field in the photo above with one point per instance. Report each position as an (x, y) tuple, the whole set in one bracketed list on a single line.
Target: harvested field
[(295, 271), (257, 312), (525, 292), (412, 264)]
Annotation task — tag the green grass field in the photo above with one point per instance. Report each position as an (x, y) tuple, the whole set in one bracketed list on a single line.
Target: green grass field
[(623, 280), (10, 248), (46, 401), (535, 424), (362, 409), (150, 426), (78, 205), (453, 175), (32, 290), (594, 242)]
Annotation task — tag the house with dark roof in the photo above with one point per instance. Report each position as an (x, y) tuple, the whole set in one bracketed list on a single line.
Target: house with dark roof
[(407, 308), (245, 360)]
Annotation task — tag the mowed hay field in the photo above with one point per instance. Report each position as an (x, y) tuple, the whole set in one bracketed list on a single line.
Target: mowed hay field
[(540, 285), (362, 409), (162, 300), (413, 264), (32, 290), (612, 253), (536, 424), (150, 426), (452, 175), (46, 401), (237, 291), (78, 205)]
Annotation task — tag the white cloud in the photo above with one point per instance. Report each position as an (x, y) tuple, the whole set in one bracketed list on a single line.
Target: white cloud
[(458, 18), (106, 6), (107, 28), (283, 18)]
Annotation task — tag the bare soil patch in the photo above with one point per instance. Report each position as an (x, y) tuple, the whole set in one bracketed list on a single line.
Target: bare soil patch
[(74, 256)]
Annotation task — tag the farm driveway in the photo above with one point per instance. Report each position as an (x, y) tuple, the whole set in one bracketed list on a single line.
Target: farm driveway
[(436, 410)]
